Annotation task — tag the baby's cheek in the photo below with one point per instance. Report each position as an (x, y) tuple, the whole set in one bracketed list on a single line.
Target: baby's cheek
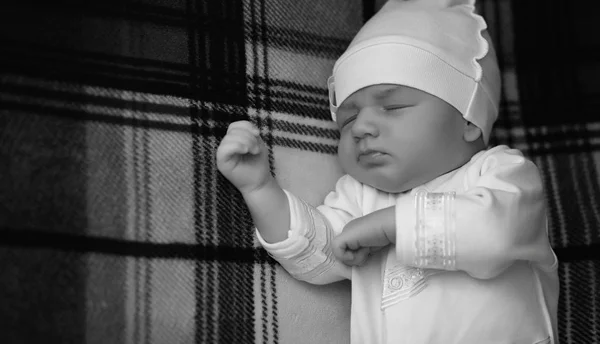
[(346, 158)]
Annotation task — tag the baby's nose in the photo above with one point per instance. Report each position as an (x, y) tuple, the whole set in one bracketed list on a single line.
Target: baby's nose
[(365, 125)]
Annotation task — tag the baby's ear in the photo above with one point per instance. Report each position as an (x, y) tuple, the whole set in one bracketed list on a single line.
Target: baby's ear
[(471, 132)]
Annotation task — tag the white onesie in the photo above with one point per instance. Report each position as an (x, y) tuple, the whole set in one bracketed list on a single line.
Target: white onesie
[(472, 261)]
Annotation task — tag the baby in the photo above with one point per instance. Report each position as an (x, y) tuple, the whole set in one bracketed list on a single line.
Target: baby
[(443, 239)]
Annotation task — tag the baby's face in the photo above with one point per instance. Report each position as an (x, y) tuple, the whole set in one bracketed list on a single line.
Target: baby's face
[(395, 138)]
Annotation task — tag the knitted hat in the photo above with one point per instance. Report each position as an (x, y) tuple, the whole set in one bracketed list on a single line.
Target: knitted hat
[(437, 46)]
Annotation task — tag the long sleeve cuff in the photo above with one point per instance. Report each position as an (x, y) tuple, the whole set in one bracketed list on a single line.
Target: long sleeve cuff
[(306, 253), (296, 241), (425, 230)]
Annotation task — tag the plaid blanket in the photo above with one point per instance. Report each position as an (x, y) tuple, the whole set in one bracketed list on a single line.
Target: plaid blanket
[(115, 226)]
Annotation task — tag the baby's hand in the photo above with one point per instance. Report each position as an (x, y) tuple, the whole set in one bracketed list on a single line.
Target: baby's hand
[(365, 235), (242, 157)]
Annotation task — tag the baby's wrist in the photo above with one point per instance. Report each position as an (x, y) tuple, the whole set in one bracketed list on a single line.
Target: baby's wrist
[(259, 187), (261, 190)]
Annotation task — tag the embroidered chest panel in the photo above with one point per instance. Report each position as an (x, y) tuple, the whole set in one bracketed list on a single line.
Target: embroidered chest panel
[(403, 282)]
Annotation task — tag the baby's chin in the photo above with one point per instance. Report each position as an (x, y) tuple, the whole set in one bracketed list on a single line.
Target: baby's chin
[(392, 189)]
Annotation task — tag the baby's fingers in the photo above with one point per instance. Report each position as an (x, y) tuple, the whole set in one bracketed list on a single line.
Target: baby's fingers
[(243, 126), (356, 258), (348, 254), (245, 137), (230, 149)]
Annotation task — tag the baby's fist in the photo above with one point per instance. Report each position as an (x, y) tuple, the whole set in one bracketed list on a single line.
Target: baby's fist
[(242, 157), (365, 235)]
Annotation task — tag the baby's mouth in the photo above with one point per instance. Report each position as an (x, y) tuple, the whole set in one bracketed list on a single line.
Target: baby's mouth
[(370, 157), (371, 154)]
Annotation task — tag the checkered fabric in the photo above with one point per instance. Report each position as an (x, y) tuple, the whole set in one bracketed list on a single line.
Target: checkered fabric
[(115, 226)]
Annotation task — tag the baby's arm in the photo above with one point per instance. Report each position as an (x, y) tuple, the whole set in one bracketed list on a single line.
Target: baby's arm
[(499, 220), (242, 157), (295, 233)]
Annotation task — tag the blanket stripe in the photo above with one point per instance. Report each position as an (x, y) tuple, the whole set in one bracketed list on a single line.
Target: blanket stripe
[(35, 239)]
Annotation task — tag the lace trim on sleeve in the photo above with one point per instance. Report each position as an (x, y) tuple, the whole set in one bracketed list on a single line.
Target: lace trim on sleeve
[(435, 232)]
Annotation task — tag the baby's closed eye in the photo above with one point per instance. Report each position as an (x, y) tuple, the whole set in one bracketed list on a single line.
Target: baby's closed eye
[(396, 107)]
